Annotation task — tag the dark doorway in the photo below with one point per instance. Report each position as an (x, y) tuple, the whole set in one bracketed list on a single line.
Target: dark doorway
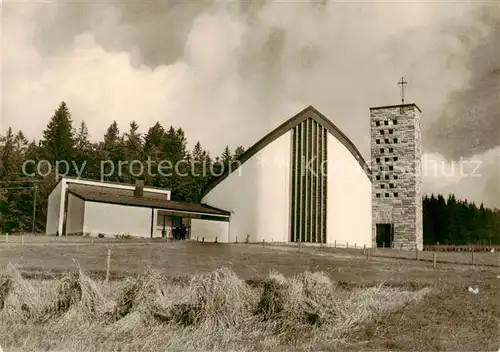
[(385, 235)]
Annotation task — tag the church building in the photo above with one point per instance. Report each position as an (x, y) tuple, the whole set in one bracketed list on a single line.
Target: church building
[(305, 181)]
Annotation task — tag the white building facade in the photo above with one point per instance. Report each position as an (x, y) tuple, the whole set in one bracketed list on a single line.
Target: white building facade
[(305, 181), (87, 207)]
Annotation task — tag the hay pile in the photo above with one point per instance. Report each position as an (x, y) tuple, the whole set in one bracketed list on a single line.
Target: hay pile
[(76, 295), (219, 299), (310, 307), (371, 302), (132, 307), (18, 298), (308, 298), (138, 293)]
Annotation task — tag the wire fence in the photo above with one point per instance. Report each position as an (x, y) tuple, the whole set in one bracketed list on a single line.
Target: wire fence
[(481, 255)]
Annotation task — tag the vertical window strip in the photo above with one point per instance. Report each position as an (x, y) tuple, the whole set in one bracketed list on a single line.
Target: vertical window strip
[(324, 177), (308, 181), (293, 185), (302, 182), (313, 181), (317, 218), (309, 184)]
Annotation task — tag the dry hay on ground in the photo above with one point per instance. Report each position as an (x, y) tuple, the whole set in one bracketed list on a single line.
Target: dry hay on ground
[(220, 299), (217, 310), (18, 298), (76, 295)]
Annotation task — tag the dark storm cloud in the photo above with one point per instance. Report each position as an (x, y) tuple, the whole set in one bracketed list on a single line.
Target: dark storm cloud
[(155, 32), (469, 123)]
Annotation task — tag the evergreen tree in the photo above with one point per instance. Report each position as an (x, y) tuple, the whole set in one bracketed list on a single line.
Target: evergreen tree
[(112, 152), (82, 138), (428, 219), (21, 141), (153, 153), (133, 141), (153, 141), (7, 160), (133, 151), (174, 152), (440, 222), (200, 174), (58, 140), (85, 154), (226, 156), (16, 195), (239, 150)]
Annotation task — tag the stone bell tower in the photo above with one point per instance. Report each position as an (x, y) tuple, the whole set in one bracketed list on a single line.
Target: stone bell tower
[(396, 157)]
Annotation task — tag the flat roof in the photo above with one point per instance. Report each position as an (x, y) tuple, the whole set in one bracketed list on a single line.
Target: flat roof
[(162, 204), (110, 184), (395, 106)]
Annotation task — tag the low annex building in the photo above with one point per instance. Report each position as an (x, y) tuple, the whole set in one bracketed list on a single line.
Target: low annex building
[(80, 206)]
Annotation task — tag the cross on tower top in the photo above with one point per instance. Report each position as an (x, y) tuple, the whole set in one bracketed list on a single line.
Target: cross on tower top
[(402, 82)]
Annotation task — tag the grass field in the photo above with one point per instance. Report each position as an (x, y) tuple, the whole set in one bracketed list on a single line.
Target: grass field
[(239, 297)]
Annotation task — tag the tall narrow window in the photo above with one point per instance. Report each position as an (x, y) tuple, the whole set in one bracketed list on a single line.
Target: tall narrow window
[(308, 186)]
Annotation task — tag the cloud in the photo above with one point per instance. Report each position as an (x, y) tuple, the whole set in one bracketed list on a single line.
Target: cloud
[(229, 72), (475, 178)]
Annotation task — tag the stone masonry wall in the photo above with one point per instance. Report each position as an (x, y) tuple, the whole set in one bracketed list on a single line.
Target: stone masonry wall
[(396, 164)]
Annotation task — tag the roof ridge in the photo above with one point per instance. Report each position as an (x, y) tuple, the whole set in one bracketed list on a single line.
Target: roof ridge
[(308, 112)]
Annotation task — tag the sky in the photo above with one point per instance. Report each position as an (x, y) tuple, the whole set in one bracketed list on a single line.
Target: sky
[(228, 72)]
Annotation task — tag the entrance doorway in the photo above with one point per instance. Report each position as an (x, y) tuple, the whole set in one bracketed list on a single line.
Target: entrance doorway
[(385, 235), (168, 225)]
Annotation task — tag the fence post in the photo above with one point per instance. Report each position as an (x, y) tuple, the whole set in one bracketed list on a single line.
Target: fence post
[(215, 239), (92, 239), (203, 240), (6, 237), (263, 243), (108, 265), (473, 259), (236, 239), (335, 244), (434, 259), (347, 245), (417, 254)]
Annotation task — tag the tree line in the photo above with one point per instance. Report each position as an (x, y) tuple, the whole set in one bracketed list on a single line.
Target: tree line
[(448, 221), (459, 222)]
